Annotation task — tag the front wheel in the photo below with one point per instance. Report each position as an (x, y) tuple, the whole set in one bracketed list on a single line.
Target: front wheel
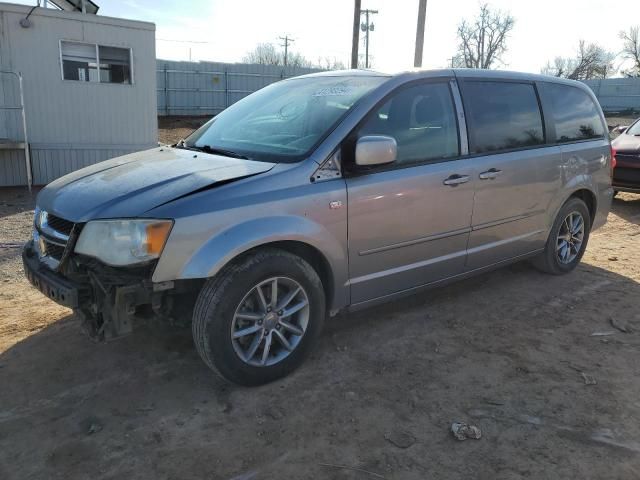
[(257, 319), (568, 239)]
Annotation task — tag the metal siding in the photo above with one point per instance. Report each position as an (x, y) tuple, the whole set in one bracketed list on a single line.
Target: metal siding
[(51, 162), (12, 168)]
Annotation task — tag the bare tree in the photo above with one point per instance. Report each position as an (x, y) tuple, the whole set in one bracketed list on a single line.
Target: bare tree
[(264, 54), (296, 59), (482, 42), (631, 50), (267, 54), (330, 63), (591, 61)]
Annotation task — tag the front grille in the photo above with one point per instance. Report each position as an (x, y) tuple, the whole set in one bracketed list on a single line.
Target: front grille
[(54, 235), (60, 224), (54, 251)]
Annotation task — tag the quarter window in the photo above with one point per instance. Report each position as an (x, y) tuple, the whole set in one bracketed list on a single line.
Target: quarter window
[(574, 113), (503, 116), (634, 129), (421, 119), (88, 62)]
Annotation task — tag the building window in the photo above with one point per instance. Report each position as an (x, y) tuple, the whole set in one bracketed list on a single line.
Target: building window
[(88, 62)]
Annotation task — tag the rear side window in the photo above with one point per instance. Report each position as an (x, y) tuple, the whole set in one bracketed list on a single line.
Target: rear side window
[(634, 129), (422, 120), (503, 116), (574, 113)]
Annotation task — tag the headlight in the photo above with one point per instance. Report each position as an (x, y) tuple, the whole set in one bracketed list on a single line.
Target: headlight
[(123, 242)]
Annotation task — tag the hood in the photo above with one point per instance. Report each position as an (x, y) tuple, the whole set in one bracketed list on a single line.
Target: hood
[(129, 186), (628, 143)]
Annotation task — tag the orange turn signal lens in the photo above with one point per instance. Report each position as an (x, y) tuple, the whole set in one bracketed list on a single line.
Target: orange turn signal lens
[(157, 234)]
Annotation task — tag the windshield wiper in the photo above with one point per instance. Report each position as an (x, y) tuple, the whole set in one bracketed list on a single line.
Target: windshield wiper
[(221, 151), (183, 146), (209, 149)]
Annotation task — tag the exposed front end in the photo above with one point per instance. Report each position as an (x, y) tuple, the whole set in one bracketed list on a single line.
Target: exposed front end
[(108, 298)]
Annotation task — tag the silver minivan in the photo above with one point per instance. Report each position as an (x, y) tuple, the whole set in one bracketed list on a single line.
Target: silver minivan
[(320, 193)]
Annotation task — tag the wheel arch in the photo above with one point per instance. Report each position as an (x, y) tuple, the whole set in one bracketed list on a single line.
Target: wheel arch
[(589, 198), (311, 255), (580, 187)]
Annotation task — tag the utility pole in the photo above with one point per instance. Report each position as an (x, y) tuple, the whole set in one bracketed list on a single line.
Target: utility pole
[(422, 13), (367, 27), (287, 40), (355, 38)]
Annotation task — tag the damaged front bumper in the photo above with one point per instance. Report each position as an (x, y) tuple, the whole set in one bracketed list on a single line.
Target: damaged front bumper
[(51, 284), (107, 299)]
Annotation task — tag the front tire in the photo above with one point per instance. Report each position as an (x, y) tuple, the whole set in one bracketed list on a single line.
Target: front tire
[(259, 317), (567, 240)]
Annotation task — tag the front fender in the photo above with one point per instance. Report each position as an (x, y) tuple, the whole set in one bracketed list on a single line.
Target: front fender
[(207, 260)]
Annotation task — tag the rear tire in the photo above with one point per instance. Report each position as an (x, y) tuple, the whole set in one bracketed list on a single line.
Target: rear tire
[(239, 299), (567, 240)]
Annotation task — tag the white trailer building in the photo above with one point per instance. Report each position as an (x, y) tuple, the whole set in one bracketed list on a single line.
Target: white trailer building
[(89, 90)]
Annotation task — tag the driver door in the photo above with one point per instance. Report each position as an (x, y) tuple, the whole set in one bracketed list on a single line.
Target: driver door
[(409, 221)]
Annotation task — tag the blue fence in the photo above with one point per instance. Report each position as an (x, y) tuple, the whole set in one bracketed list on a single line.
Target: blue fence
[(207, 88), (617, 95)]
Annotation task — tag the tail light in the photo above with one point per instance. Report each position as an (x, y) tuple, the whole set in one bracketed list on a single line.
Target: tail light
[(614, 161)]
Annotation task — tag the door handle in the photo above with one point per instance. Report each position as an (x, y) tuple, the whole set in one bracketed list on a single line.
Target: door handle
[(455, 180), (490, 174)]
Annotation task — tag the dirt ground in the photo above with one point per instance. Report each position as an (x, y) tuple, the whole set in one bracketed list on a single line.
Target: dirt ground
[(511, 351), (173, 129)]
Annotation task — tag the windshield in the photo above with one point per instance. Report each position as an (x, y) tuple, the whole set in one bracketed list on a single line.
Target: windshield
[(634, 129), (284, 121)]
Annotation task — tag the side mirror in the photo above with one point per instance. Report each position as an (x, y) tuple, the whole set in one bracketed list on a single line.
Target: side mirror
[(622, 129), (376, 150)]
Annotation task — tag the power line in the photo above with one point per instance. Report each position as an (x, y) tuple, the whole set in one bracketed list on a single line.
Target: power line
[(184, 41), (367, 27), (287, 40)]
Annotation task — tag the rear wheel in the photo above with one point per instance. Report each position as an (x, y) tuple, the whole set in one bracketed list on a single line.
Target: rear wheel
[(568, 239), (257, 320)]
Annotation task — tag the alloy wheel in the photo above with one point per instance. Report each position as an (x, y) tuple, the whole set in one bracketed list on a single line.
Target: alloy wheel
[(270, 321), (570, 238)]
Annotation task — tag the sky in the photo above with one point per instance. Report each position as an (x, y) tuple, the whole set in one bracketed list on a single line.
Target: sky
[(229, 29)]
